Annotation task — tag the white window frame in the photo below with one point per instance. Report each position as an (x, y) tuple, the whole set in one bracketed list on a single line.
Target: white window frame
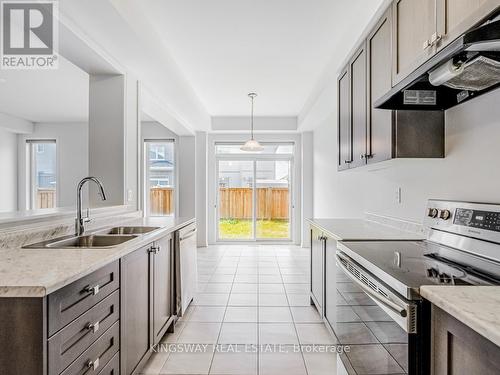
[(146, 175), (31, 151)]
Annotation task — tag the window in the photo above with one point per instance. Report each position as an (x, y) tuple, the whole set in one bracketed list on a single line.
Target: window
[(269, 149), (159, 181), (42, 167)]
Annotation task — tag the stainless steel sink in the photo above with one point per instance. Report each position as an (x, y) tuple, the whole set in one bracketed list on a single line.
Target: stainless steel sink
[(87, 241), (130, 230)]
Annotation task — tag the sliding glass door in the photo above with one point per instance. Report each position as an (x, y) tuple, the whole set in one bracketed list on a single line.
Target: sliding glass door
[(254, 195), (272, 199), (236, 208)]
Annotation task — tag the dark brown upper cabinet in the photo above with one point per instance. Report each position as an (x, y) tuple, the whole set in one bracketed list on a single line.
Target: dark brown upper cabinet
[(352, 112), (454, 17), (379, 121), (368, 135), (423, 27), (414, 22), (357, 67), (344, 120)]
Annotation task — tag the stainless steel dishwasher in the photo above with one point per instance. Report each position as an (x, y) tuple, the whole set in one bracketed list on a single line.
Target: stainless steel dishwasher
[(185, 267)]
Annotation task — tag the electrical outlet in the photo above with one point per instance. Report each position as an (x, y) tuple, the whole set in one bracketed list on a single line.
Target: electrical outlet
[(399, 195), (130, 195)]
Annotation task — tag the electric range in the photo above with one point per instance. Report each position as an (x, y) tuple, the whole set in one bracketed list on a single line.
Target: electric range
[(462, 248)]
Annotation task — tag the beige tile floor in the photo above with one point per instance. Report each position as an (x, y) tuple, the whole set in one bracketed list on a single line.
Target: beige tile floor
[(251, 316)]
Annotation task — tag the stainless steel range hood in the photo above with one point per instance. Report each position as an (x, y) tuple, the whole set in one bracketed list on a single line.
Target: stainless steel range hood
[(466, 68)]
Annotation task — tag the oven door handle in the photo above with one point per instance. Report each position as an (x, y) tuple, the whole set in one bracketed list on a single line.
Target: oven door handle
[(384, 301)]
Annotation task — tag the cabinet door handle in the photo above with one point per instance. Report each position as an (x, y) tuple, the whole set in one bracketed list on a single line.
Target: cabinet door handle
[(347, 161), (92, 289), (435, 38), (154, 249)]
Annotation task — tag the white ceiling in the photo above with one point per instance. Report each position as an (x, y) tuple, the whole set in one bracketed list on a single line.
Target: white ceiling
[(59, 95), (278, 48)]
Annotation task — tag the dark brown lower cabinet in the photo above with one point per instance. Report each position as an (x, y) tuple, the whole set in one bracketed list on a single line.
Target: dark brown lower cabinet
[(163, 280), (135, 309), (459, 350), (146, 302), (74, 330), (105, 323)]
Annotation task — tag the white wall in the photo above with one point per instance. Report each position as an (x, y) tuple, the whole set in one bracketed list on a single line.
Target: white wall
[(470, 171), (131, 141), (187, 176), (107, 137), (261, 123), (72, 155), (201, 208), (8, 171), (307, 184), (155, 130)]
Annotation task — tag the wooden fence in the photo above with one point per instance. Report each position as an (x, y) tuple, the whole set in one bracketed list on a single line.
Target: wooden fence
[(45, 198), (236, 203), (161, 201)]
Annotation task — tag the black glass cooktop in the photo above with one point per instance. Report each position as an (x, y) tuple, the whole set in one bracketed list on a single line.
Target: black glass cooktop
[(416, 263)]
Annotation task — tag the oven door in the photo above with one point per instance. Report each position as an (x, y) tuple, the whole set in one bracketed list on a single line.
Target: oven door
[(384, 334)]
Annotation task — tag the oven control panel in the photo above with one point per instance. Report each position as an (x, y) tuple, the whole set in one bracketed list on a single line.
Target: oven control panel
[(477, 220), (488, 220)]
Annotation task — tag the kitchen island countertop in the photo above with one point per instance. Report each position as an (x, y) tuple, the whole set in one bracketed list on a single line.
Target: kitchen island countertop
[(39, 272)]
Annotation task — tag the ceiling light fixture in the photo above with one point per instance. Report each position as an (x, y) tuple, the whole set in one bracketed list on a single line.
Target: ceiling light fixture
[(252, 145)]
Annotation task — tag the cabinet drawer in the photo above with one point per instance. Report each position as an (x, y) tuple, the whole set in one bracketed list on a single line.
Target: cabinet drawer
[(74, 299), (66, 345), (91, 362), (113, 366)]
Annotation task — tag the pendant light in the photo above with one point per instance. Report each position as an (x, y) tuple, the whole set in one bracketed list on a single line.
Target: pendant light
[(252, 145)]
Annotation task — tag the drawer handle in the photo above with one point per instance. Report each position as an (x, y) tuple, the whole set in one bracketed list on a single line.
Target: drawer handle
[(93, 326), (92, 289), (93, 364)]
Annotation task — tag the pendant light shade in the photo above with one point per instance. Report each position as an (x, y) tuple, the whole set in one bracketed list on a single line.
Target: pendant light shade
[(252, 145)]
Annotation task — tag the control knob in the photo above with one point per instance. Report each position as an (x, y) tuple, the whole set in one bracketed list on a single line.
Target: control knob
[(444, 214), (432, 212)]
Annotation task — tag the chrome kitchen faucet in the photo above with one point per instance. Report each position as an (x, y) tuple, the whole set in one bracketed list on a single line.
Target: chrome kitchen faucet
[(80, 222)]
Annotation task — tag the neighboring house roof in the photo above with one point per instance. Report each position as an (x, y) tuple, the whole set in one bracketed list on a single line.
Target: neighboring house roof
[(161, 164)]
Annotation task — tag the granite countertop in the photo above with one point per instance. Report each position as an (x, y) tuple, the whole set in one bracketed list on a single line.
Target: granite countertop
[(476, 306), (39, 272), (362, 229)]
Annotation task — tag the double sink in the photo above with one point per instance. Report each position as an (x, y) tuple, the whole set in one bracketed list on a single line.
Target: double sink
[(104, 239)]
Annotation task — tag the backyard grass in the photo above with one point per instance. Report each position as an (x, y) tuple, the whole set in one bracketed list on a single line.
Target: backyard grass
[(242, 229)]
